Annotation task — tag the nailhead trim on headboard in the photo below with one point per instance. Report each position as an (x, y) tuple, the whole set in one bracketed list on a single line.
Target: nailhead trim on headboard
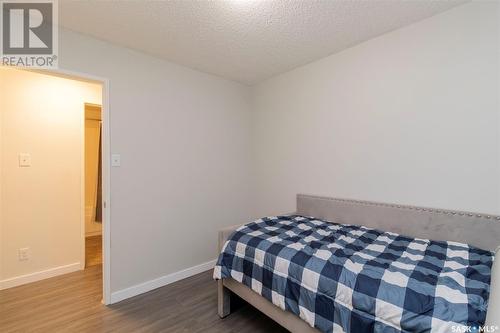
[(407, 207)]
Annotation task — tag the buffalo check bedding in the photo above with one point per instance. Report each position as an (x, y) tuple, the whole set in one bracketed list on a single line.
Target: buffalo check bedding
[(340, 277)]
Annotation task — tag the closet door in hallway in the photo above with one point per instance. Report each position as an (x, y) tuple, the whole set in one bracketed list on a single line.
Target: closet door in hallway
[(93, 211)]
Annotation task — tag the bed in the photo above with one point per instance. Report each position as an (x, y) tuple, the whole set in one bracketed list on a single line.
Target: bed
[(358, 266)]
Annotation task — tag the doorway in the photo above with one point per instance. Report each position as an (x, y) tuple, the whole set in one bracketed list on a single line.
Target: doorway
[(93, 185), (43, 176)]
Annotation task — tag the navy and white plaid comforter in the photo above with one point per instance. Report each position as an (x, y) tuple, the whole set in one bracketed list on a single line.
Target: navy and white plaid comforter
[(349, 278)]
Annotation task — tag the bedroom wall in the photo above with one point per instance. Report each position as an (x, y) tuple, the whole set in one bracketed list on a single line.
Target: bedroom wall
[(42, 203), (184, 138), (409, 117)]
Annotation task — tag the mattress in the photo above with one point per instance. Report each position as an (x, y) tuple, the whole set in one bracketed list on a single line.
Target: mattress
[(348, 278)]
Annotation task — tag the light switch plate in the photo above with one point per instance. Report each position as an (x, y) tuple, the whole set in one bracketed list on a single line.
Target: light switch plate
[(24, 160), (115, 160)]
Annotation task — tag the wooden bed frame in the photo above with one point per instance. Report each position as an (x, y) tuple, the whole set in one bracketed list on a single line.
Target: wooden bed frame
[(480, 230)]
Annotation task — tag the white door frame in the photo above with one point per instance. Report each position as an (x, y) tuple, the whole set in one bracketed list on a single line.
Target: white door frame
[(106, 179)]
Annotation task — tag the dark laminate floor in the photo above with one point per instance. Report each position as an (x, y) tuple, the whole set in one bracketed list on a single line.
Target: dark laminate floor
[(93, 250), (72, 303)]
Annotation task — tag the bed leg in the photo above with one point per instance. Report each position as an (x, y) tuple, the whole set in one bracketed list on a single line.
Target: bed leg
[(224, 299)]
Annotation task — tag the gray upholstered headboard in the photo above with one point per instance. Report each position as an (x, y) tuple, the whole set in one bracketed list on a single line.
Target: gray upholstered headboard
[(480, 230)]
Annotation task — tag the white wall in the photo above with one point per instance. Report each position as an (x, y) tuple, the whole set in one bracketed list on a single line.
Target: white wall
[(409, 117), (184, 139), (42, 204)]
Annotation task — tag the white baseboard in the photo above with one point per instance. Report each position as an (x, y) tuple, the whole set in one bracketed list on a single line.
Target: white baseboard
[(37, 276), (144, 287)]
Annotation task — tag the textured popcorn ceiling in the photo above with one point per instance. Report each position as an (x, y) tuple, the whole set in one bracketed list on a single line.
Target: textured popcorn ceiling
[(244, 40)]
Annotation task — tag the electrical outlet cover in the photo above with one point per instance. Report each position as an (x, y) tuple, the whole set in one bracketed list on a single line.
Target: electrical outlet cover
[(24, 254)]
